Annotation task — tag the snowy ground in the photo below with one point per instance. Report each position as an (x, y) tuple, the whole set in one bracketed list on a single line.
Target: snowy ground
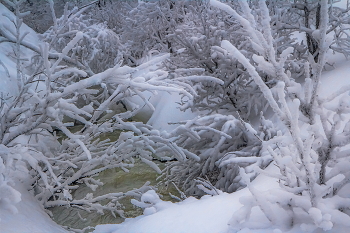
[(29, 219), (210, 214)]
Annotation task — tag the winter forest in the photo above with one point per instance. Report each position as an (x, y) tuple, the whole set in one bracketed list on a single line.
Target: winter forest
[(174, 116)]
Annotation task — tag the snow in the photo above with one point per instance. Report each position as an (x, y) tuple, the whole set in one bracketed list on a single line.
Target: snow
[(333, 80), (23, 214), (211, 214), (236, 54), (8, 64), (167, 111), (30, 217)]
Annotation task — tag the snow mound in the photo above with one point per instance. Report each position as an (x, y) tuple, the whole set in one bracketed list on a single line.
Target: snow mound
[(30, 218)]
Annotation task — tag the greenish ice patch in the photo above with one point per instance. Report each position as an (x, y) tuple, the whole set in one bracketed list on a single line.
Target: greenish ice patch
[(114, 181)]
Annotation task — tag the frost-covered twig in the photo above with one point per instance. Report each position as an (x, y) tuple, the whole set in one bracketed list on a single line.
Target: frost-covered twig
[(304, 159)]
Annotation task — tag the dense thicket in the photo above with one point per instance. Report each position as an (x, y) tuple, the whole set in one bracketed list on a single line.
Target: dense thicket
[(239, 65)]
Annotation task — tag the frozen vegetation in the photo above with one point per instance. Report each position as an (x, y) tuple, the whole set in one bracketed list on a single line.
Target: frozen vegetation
[(245, 104)]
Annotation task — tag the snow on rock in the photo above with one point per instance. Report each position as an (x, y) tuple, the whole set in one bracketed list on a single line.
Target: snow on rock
[(166, 113)]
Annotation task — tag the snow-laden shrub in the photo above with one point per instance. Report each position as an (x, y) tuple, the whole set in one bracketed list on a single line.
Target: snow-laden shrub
[(146, 26), (310, 150), (195, 46), (113, 13), (224, 144), (98, 50), (56, 90), (230, 106), (238, 96)]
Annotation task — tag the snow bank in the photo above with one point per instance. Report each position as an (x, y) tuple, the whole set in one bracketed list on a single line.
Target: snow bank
[(31, 218), (333, 80), (210, 214), (7, 63), (166, 114)]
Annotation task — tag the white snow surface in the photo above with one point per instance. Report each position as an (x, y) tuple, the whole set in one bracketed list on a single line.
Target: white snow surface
[(31, 218), (7, 63), (167, 113)]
